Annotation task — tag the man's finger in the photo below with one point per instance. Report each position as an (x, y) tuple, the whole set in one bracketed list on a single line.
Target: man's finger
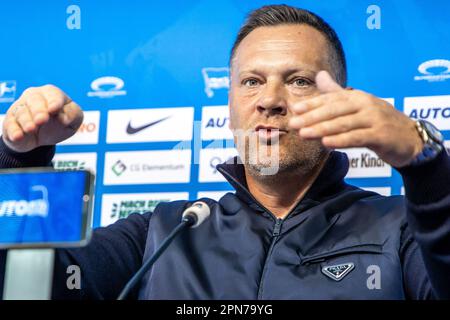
[(23, 117), (315, 102), (37, 105), (335, 126), (56, 98), (70, 115), (323, 113), (12, 130), (352, 139), (325, 83)]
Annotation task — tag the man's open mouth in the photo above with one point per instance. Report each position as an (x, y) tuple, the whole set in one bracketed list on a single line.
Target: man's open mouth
[(265, 132)]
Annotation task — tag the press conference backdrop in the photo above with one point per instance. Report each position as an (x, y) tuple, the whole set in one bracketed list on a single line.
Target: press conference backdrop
[(153, 78)]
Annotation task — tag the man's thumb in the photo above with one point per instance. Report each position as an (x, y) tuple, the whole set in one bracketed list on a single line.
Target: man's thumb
[(325, 83)]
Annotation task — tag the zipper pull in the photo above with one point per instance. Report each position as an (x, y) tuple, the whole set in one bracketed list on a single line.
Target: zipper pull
[(277, 227)]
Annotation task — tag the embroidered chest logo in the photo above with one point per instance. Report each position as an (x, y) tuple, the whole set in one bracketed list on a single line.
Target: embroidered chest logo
[(338, 272)]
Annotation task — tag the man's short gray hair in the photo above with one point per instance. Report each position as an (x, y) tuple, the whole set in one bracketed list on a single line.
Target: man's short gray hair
[(274, 15)]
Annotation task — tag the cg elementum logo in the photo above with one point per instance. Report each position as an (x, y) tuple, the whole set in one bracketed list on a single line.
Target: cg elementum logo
[(118, 168)]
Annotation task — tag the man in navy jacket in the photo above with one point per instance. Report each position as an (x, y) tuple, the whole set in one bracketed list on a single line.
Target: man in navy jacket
[(294, 229)]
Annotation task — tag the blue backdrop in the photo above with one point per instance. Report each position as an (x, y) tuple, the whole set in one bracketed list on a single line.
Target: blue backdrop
[(120, 55)]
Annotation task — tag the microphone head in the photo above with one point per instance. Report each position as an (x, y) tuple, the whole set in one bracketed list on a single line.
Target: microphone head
[(199, 211)]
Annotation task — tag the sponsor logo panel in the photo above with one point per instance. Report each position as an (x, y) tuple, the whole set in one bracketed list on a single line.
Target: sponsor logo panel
[(215, 120), (75, 161), (119, 206), (364, 163), (435, 109), (209, 159), (88, 131), (147, 167), (148, 125)]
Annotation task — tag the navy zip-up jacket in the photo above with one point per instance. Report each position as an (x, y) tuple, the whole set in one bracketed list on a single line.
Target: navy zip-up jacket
[(384, 247)]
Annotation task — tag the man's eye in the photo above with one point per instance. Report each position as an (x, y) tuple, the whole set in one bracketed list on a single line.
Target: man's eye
[(251, 82), (300, 82)]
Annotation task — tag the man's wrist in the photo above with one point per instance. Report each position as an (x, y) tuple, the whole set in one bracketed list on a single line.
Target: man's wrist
[(38, 157), (427, 182), (432, 143)]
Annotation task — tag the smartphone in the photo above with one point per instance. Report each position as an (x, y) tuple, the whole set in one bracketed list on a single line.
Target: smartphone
[(45, 208)]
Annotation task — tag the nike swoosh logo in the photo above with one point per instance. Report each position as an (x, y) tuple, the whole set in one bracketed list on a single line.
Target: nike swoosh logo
[(132, 130)]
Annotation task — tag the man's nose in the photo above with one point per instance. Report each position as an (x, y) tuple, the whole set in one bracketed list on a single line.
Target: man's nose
[(272, 101)]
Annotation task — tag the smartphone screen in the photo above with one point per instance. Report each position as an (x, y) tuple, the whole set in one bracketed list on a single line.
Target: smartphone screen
[(45, 208)]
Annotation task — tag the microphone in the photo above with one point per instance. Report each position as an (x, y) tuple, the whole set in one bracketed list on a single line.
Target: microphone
[(199, 212), (192, 217)]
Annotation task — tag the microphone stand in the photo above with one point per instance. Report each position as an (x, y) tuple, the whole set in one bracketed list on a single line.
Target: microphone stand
[(186, 223)]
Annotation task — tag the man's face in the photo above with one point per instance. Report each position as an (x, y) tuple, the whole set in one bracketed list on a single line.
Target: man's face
[(274, 68)]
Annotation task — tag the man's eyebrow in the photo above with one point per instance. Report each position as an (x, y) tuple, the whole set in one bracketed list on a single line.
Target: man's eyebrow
[(252, 71), (285, 73), (291, 71)]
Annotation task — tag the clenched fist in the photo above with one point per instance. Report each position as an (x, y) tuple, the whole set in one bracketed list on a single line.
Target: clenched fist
[(41, 116)]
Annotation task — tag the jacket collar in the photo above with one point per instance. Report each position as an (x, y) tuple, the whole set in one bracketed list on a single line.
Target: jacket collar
[(329, 181)]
